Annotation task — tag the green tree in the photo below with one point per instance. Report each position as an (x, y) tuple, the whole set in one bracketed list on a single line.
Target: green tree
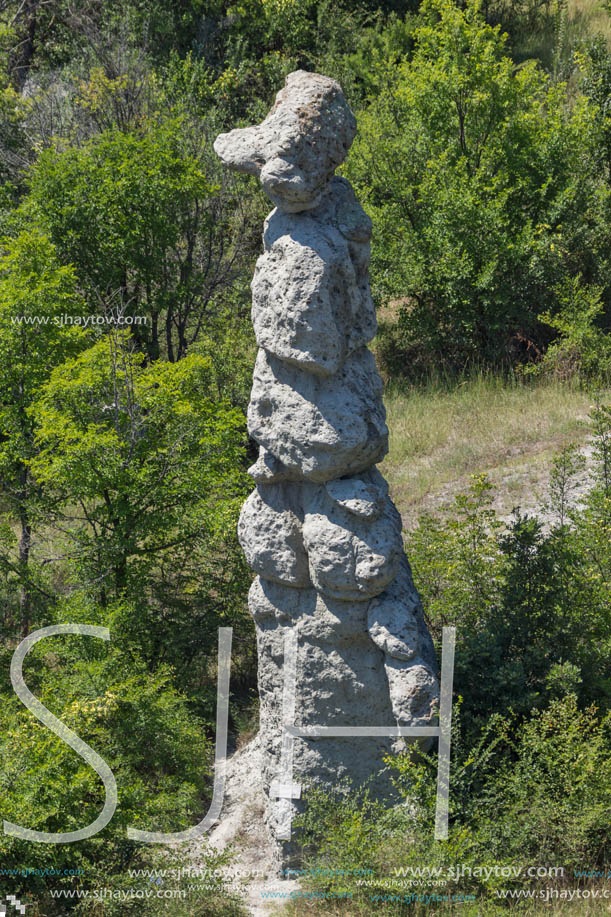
[(144, 467), (476, 175), (36, 294), (596, 66), (158, 750), (141, 218)]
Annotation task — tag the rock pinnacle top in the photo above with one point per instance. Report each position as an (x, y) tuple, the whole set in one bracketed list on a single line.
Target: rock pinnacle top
[(299, 145)]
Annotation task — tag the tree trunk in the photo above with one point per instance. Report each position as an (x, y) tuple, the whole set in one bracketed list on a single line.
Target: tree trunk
[(23, 54), (25, 543)]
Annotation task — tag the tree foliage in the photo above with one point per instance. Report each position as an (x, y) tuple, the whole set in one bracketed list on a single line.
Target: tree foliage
[(145, 227), (477, 177)]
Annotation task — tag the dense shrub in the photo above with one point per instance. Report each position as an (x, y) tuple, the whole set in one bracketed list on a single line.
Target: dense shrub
[(156, 748), (531, 736), (530, 792), (484, 191), (526, 600)]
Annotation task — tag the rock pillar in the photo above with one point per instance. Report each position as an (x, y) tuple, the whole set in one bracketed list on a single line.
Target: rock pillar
[(320, 530)]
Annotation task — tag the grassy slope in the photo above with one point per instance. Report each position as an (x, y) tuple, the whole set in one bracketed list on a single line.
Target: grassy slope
[(589, 17), (439, 437)]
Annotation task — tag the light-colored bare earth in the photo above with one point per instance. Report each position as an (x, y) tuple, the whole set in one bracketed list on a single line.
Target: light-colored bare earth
[(440, 439), (521, 483), (241, 830)]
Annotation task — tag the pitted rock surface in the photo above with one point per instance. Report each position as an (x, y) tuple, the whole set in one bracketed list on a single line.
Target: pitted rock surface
[(311, 300), (364, 495), (270, 531), (319, 427), (396, 620), (351, 557), (320, 529), (298, 147)]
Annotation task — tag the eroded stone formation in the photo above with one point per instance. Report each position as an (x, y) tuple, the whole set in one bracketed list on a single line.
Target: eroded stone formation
[(320, 529)]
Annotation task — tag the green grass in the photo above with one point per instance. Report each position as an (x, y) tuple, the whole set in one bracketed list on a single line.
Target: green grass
[(553, 31), (481, 908), (439, 436)]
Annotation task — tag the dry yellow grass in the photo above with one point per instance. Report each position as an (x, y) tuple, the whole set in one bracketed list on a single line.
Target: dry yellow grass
[(438, 438), (589, 18)]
